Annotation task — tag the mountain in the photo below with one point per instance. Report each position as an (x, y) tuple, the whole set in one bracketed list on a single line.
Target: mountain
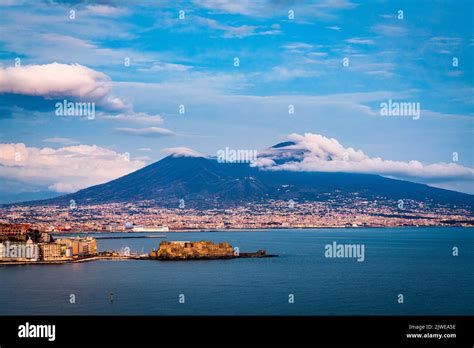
[(204, 182)]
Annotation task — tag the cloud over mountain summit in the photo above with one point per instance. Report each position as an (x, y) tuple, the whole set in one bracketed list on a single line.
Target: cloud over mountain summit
[(317, 153)]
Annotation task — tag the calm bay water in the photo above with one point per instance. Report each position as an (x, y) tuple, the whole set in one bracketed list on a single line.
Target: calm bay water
[(415, 262)]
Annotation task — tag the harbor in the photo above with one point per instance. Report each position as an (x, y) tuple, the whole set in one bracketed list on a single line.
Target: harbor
[(22, 245)]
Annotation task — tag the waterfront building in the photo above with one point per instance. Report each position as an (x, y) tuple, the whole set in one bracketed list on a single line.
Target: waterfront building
[(83, 248), (50, 251), (89, 245), (14, 229), (114, 227), (75, 247), (66, 247), (78, 246), (66, 242)]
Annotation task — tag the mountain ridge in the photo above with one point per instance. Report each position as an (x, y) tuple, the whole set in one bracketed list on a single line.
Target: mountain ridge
[(204, 182)]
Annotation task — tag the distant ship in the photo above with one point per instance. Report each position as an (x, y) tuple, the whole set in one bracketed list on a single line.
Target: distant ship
[(141, 228)]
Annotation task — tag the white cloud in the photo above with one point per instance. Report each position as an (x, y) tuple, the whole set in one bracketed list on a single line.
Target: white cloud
[(317, 54), (359, 41), (182, 152), (314, 152), (60, 81), (382, 73), (134, 117), (66, 169), (444, 44), (190, 85), (390, 30), (268, 8), (269, 32), (282, 73), (382, 69), (58, 45), (168, 67), (142, 158), (298, 46), (243, 7), (105, 10), (229, 31), (145, 132), (62, 141), (235, 31)]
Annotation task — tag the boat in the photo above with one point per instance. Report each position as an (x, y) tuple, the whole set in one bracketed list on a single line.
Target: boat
[(141, 228)]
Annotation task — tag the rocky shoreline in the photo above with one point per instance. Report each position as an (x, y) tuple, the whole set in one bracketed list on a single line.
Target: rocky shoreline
[(250, 255)]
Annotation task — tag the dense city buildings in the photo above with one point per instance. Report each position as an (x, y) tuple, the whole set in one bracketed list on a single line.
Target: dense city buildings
[(7, 229), (45, 248), (50, 251), (333, 212)]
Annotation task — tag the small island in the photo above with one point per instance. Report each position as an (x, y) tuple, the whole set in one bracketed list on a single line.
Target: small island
[(202, 250)]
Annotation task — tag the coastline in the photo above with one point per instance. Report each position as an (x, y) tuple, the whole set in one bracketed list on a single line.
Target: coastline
[(61, 262), (129, 234), (132, 257), (137, 235)]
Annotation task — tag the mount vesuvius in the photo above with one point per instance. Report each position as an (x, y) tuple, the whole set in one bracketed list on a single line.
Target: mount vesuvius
[(205, 182)]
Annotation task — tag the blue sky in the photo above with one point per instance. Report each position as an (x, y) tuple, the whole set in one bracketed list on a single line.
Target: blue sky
[(190, 62)]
